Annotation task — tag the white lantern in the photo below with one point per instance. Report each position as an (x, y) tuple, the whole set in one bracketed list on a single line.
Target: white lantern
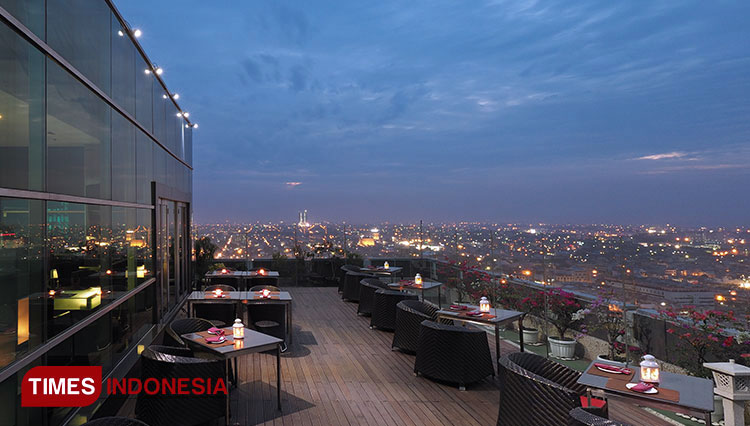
[(649, 369), (266, 293), (218, 292), (484, 305), (418, 279), (386, 266), (238, 329)]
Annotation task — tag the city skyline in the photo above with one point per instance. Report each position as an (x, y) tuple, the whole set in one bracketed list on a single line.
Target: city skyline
[(554, 112)]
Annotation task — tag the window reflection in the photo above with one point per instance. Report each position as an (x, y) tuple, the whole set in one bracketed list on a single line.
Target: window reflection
[(144, 167), (22, 277), (78, 137), (144, 86), (29, 12), (21, 113), (123, 159), (123, 68)]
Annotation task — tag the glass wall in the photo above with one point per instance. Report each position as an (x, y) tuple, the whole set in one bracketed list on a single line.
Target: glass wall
[(78, 137), (21, 113), (29, 12), (123, 159), (144, 167), (123, 68)]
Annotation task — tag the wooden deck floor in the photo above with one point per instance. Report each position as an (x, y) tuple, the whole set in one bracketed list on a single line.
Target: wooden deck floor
[(339, 372)]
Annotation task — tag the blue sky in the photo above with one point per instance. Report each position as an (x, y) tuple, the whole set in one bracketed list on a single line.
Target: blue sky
[(556, 111)]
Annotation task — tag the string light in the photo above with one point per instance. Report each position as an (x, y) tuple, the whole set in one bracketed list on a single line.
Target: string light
[(147, 71), (186, 114), (179, 114), (164, 96), (195, 126), (158, 71), (175, 96), (137, 33), (120, 33)]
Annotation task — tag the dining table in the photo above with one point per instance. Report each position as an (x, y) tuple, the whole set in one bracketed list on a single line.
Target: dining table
[(678, 393), (410, 285)]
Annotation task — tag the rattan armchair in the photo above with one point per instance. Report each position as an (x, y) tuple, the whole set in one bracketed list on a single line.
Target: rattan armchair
[(181, 326), (216, 312), (384, 308), (585, 417), (165, 362), (535, 390), (341, 274), (409, 317), (453, 354), (262, 287), (351, 286), (367, 289)]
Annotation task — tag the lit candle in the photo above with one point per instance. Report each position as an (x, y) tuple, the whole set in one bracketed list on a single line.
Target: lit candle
[(418, 279), (238, 329), (266, 292), (224, 271), (261, 271), (218, 292), (649, 369), (386, 266), (484, 305)]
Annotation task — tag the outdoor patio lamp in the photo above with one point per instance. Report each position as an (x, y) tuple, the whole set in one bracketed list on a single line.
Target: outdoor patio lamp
[(649, 369), (238, 329), (484, 305), (418, 279)]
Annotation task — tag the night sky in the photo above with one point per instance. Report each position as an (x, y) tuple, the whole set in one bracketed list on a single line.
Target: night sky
[(555, 111)]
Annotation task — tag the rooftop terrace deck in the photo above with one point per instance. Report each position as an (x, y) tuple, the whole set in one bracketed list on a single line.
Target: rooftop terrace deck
[(339, 372)]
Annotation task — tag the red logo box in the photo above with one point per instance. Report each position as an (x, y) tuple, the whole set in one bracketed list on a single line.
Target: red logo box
[(61, 386)]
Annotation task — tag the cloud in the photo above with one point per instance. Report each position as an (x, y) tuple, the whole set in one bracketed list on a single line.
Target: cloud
[(252, 69), (664, 156)]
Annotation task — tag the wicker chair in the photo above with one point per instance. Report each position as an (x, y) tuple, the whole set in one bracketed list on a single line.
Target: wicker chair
[(367, 289), (223, 287), (538, 391), (115, 421), (263, 281), (453, 354), (269, 319), (164, 362), (342, 274), (182, 326), (351, 286), (586, 417), (409, 317), (216, 313), (384, 308)]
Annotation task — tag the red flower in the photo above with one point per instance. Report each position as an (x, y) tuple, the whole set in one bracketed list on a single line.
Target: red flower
[(728, 341)]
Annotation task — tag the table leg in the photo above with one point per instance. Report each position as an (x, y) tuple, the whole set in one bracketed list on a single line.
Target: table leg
[(227, 414), (278, 376), (497, 346), (520, 333), (289, 325), (707, 417), (440, 301)]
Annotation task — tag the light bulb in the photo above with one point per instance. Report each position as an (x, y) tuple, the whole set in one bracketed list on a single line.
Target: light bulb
[(164, 96), (159, 71), (195, 126), (147, 71), (179, 114), (175, 96), (187, 126), (137, 33), (186, 114), (120, 33)]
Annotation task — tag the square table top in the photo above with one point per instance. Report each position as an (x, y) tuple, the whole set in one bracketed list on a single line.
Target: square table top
[(270, 274), (426, 285), (501, 315), (695, 392), (254, 296), (208, 296), (381, 270), (253, 342)]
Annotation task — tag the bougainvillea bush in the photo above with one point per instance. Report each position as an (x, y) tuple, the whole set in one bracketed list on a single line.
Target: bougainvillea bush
[(563, 310), (707, 336)]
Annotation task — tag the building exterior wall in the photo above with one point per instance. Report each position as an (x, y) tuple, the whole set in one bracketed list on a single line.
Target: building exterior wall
[(95, 194)]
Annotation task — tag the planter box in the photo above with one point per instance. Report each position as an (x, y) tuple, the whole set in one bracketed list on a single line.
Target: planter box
[(563, 349), (530, 336)]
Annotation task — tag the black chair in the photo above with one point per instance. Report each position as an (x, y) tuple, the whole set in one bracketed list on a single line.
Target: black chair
[(351, 285), (261, 281), (384, 308), (367, 289), (223, 287), (220, 314), (585, 417), (538, 391), (264, 287), (269, 319), (219, 280), (181, 326), (409, 317), (341, 274), (453, 354), (164, 362), (115, 421)]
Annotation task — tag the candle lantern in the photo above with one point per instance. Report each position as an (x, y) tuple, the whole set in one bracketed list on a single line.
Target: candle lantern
[(218, 292), (649, 369), (418, 279), (224, 271), (261, 271), (386, 266), (484, 305), (238, 329), (266, 293)]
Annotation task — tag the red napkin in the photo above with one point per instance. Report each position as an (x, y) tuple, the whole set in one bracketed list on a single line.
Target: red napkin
[(642, 387), (459, 307), (214, 339), (613, 368), (217, 331), (474, 313)]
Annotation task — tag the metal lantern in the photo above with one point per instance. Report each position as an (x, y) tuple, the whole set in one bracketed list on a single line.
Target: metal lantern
[(238, 329), (484, 305), (418, 279), (649, 369), (386, 266)]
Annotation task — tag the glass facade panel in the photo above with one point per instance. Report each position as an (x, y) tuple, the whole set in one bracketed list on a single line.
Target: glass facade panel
[(144, 86), (188, 140), (29, 12), (144, 167), (123, 68), (160, 111), (78, 138), (80, 262), (22, 276), (79, 30), (21, 113), (123, 159)]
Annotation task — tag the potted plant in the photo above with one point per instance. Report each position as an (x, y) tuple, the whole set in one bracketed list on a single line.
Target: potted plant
[(608, 319), (564, 312), (532, 304)]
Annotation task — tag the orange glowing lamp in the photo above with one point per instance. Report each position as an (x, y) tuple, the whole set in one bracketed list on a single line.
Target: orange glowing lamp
[(261, 271), (218, 292), (649, 369), (266, 293), (224, 271), (238, 329), (484, 305), (418, 279), (52, 293)]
